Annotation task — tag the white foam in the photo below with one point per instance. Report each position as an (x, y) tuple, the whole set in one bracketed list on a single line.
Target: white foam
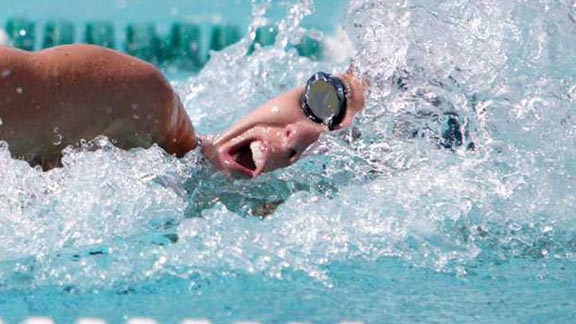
[(38, 320), (372, 195), (90, 320), (338, 47), (195, 321), (141, 320)]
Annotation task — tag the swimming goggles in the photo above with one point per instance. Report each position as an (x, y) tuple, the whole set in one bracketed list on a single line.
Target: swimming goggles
[(324, 99)]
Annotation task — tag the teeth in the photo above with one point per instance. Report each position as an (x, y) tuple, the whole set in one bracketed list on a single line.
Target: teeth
[(257, 148)]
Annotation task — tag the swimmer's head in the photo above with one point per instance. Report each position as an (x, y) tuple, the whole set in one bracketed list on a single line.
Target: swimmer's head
[(275, 134)]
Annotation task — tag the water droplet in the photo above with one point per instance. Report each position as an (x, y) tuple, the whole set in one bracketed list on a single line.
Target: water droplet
[(19, 90), (5, 73), (572, 91), (58, 137), (22, 32), (121, 4)]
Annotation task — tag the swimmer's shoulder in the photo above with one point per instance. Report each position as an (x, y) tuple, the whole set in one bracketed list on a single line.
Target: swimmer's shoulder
[(103, 64), (97, 57)]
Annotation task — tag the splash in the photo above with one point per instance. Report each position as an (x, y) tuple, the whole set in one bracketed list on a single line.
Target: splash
[(502, 75), (463, 155)]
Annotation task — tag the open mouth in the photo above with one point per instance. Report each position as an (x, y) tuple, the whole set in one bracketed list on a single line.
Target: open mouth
[(248, 157)]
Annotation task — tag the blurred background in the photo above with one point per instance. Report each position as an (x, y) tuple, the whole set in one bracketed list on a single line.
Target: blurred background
[(168, 33)]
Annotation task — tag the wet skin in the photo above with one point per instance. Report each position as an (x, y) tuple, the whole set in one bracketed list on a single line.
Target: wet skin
[(60, 96), (278, 129)]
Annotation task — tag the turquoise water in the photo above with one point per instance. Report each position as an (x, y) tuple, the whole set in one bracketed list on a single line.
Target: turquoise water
[(450, 201)]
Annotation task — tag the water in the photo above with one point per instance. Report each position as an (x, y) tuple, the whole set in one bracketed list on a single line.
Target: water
[(450, 201)]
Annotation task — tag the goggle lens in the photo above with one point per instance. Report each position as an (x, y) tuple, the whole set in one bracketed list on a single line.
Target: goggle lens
[(323, 100)]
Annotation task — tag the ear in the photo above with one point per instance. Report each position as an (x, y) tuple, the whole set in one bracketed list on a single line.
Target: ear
[(355, 91)]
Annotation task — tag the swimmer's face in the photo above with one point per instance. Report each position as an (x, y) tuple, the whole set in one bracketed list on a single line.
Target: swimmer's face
[(274, 135)]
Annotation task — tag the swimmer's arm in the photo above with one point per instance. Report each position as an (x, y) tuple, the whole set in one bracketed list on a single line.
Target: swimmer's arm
[(146, 109), (84, 91), (138, 89), (180, 135)]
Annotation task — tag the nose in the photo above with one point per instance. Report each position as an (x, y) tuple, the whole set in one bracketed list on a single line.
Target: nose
[(297, 137)]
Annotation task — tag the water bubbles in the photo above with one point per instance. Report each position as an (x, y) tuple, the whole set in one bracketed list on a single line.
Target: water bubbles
[(19, 90), (57, 136)]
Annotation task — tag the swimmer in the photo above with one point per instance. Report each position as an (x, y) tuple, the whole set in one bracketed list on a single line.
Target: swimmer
[(78, 92)]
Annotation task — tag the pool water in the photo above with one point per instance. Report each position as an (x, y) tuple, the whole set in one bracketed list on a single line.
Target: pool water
[(451, 200)]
